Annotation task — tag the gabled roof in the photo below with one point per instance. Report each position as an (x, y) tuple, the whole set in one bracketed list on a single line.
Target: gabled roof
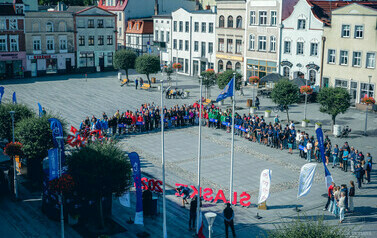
[(140, 26), (94, 11), (118, 7), (7, 10)]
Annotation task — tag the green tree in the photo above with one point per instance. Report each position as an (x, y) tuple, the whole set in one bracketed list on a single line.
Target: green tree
[(124, 59), (147, 64), (285, 93), (36, 136), (100, 170), (334, 101), (208, 80), (21, 112), (224, 78)]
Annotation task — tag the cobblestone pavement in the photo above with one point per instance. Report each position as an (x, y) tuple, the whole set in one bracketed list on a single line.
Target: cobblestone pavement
[(73, 98)]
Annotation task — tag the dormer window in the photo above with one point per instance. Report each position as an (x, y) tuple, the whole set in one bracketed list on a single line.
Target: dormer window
[(130, 26), (137, 26), (19, 9), (301, 24)]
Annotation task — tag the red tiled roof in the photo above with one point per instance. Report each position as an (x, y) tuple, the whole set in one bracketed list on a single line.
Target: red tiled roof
[(118, 7), (322, 9), (140, 26)]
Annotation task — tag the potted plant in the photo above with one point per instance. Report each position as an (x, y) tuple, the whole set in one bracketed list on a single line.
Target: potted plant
[(305, 123), (318, 125), (253, 109), (267, 113)]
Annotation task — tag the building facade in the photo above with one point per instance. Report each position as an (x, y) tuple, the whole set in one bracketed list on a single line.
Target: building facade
[(301, 51), (230, 32), (12, 40), (193, 39), (350, 51), (95, 39), (162, 37), (140, 36), (49, 43)]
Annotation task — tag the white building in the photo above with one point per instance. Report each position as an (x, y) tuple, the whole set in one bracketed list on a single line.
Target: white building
[(162, 37), (140, 35), (302, 43), (193, 39)]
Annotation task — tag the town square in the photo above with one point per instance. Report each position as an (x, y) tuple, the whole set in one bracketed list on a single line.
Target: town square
[(120, 134)]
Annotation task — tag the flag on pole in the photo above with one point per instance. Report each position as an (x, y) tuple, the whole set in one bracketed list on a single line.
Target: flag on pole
[(328, 177), (306, 179), (200, 229), (227, 91), (135, 163), (1, 93), (124, 200), (264, 186), (40, 110), (14, 98)]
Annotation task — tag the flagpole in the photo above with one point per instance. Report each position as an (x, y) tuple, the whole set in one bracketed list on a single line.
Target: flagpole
[(199, 155), (163, 160), (232, 148)]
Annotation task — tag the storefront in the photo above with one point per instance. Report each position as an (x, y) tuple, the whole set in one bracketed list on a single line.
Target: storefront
[(260, 68), (12, 65), (38, 65)]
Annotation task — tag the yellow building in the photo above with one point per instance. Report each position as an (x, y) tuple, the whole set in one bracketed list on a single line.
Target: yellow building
[(350, 50)]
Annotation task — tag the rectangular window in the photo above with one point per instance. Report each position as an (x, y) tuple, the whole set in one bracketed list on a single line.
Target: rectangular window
[(167, 36), (81, 40), (110, 58), (181, 26), (301, 24), (313, 49), (221, 45), (13, 24), (129, 40), (91, 40), (300, 48), (371, 60), (331, 55), (63, 43), (91, 23), (204, 27), (156, 35), (229, 46), (109, 40), (196, 46), (341, 83), (210, 27), (252, 18), (187, 26), (273, 18), (36, 43), (210, 47), (13, 43), (175, 44), (100, 40), (356, 59), (3, 43), (262, 18), (100, 23), (3, 25), (162, 36), (119, 16), (175, 26), (180, 44), (120, 31), (251, 42), (287, 47), (262, 43), (238, 46), (366, 89), (272, 43), (343, 57), (186, 45), (196, 26), (203, 49), (50, 43), (346, 30), (186, 66), (137, 40), (359, 32)]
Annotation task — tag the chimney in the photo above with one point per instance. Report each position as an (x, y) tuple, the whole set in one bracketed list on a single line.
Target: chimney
[(155, 7), (197, 5)]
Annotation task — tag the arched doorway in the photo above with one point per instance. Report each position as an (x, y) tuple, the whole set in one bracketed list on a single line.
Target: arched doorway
[(286, 72), (229, 65), (238, 67), (312, 76)]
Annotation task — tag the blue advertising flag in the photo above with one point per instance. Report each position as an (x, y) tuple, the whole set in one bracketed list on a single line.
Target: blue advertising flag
[(14, 98), (53, 162), (227, 91), (135, 163), (40, 110), (1, 93), (328, 176), (57, 130)]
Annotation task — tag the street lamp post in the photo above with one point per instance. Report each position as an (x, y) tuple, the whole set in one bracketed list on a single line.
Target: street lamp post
[(210, 216), (14, 159), (366, 110), (306, 99), (59, 140)]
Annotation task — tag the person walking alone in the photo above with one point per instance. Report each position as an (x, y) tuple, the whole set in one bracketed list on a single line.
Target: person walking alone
[(228, 220), (136, 83), (257, 103)]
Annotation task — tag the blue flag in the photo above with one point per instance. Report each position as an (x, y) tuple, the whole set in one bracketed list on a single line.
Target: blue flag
[(40, 110), (135, 163), (227, 91), (53, 163), (328, 176), (57, 130), (1, 93), (14, 98)]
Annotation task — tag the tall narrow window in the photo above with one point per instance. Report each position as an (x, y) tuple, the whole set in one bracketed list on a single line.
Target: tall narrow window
[(262, 43), (262, 18), (49, 27), (230, 22), (300, 48), (359, 32), (252, 18), (313, 49), (287, 47), (251, 42), (343, 57), (301, 24), (356, 60), (331, 55), (273, 18), (239, 22), (272, 43), (221, 21), (371, 60), (346, 30)]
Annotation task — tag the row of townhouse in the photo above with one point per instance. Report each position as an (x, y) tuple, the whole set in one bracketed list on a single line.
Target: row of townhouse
[(328, 43), (62, 40)]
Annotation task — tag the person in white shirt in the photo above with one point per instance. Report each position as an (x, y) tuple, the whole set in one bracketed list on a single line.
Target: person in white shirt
[(291, 125), (309, 147)]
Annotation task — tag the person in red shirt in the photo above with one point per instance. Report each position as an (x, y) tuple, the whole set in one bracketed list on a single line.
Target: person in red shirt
[(329, 195)]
